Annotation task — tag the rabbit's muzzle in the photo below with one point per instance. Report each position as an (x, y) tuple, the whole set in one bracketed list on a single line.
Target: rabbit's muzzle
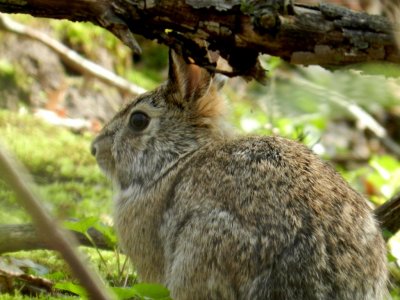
[(93, 149), (101, 150)]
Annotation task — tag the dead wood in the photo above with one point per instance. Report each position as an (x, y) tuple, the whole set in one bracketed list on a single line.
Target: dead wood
[(325, 35)]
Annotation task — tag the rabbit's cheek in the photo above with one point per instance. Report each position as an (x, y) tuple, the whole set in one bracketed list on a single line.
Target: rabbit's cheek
[(108, 167), (106, 164)]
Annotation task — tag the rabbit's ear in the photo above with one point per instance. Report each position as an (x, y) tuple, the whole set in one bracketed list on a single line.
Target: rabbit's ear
[(190, 81)]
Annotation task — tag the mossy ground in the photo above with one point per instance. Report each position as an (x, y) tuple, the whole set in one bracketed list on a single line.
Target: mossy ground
[(70, 183)]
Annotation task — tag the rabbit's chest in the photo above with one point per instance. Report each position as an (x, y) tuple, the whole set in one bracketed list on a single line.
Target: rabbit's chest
[(137, 221)]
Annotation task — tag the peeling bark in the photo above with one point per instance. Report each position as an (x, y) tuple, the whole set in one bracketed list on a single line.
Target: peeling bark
[(325, 35)]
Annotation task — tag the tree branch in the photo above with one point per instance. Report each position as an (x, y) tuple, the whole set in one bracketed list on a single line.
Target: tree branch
[(326, 35), (23, 237)]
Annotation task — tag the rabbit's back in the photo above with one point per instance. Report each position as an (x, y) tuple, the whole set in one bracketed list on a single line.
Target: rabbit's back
[(265, 218)]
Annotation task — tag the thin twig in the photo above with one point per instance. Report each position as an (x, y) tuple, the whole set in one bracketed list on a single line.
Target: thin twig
[(18, 179)]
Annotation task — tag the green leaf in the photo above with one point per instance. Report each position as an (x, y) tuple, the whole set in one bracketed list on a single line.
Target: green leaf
[(385, 164), (124, 293), (386, 176), (391, 257), (72, 288), (82, 225), (151, 291), (108, 233)]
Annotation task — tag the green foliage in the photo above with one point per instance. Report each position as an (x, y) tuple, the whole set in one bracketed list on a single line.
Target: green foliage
[(8, 204), (385, 177), (87, 38), (18, 296), (380, 179), (151, 291), (42, 148), (92, 41), (6, 68), (81, 226), (143, 291), (61, 165), (14, 84), (148, 82), (84, 224), (72, 288), (246, 7)]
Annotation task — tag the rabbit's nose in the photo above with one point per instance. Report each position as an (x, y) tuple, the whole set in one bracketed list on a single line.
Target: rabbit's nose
[(93, 149)]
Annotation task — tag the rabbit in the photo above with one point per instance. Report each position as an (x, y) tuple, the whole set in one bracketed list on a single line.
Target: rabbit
[(211, 215)]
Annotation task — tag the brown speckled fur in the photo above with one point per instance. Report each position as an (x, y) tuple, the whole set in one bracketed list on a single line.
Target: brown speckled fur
[(218, 217)]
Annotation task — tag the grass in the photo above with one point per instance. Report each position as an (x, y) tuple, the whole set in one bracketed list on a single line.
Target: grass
[(61, 165), (68, 179)]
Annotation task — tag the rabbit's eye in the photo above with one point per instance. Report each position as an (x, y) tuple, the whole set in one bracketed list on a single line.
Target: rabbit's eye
[(139, 121)]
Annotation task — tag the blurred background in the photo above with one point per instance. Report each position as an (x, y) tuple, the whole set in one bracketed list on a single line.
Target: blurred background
[(50, 110)]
